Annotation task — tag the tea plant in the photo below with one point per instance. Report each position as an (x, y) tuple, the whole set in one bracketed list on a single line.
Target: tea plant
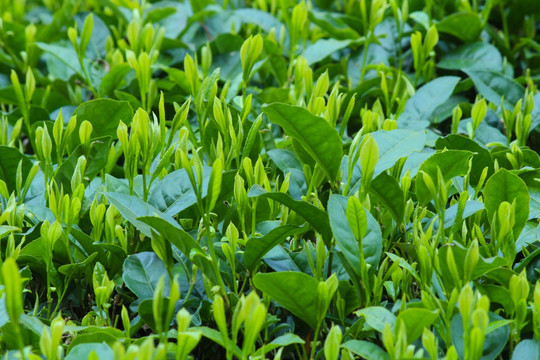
[(269, 179)]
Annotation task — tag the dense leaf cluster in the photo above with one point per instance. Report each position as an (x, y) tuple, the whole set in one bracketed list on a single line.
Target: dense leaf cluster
[(251, 179)]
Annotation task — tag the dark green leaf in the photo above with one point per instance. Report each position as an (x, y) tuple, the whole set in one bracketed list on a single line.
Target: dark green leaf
[(317, 137), (365, 349), (419, 109), (257, 247), (81, 351), (473, 56), (294, 291), (505, 186), (527, 349), (481, 158), (104, 115), (174, 192), (396, 144), (182, 240), (452, 163), (494, 86), (9, 160), (115, 79), (323, 48), (415, 320), (132, 207), (387, 190), (465, 26), (141, 273), (313, 215), (345, 239)]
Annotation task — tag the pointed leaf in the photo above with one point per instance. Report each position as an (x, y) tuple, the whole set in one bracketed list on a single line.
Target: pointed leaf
[(295, 291), (505, 186), (313, 215), (317, 137), (257, 247)]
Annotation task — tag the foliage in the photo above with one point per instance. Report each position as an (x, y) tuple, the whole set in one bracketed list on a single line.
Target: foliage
[(269, 179)]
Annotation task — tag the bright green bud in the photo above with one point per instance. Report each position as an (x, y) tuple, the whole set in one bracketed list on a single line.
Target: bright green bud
[(29, 86), (356, 216), (192, 74), (86, 33), (54, 233), (218, 309), (519, 287), (72, 35), (369, 156), (206, 59), (240, 193), (214, 184), (125, 321), (13, 291), (457, 113), (465, 303), (85, 133), (478, 113), (432, 38), (183, 319), (471, 259), (249, 53), (157, 305), (103, 287), (332, 343)]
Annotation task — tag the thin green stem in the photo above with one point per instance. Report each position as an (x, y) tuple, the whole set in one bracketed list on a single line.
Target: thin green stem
[(364, 57)]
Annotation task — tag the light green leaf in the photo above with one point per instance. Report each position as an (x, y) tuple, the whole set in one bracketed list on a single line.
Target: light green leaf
[(377, 317)]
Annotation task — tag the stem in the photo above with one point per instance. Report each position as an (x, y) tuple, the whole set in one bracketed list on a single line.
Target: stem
[(68, 279), (47, 268), (364, 58), (505, 27), (330, 261), (210, 241), (87, 78), (20, 341), (191, 284), (314, 342), (145, 190), (254, 216), (244, 91)]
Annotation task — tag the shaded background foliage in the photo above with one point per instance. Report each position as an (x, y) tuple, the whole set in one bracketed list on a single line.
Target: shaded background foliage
[(251, 179)]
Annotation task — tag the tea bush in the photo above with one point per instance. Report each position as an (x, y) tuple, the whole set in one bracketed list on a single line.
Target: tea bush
[(251, 179)]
